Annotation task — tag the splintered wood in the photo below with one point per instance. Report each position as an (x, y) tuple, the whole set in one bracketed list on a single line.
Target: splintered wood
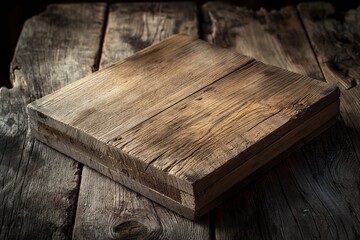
[(182, 122)]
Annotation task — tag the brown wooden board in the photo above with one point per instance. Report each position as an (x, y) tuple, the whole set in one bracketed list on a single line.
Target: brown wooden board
[(39, 186), (273, 37), (106, 209), (179, 135), (313, 194), (335, 37)]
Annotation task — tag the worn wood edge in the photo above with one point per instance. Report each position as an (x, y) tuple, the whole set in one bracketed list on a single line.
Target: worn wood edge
[(140, 166), (37, 115), (169, 184), (314, 187), (270, 165), (112, 152), (266, 167), (90, 161), (111, 173), (183, 203), (283, 144), (190, 206), (39, 122), (314, 109)]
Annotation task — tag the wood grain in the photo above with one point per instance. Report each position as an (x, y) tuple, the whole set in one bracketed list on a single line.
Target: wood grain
[(257, 102), (334, 36), (39, 186), (138, 25), (273, 37), (335, 39), (313, 193), (124, 83), (322, 205), (194, 131), (106, 209)]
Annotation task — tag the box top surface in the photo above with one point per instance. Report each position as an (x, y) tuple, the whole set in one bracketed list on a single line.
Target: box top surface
[(184, 109)]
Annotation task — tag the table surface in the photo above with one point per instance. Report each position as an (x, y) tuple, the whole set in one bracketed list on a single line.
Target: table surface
[(312, 194)]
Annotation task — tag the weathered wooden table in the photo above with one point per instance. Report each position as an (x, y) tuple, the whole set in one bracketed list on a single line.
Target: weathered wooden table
[(313, 194)]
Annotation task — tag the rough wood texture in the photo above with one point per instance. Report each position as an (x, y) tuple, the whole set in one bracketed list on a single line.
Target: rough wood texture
[(106, 209), (39, 186), (132, 27), (335, 38), (124, 83), (256, 34), (182, 147), (312, 194)]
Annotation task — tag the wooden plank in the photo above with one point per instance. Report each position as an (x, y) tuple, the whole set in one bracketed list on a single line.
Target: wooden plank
[(254, 102), (124, 82), (214, 120), (256, 34), (258, 100), (335, 39), (107, 209), (138, 25), (313, 193), (39, 186)]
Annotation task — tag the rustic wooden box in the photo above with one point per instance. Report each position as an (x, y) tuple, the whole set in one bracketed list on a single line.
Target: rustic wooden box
[(182, 122)]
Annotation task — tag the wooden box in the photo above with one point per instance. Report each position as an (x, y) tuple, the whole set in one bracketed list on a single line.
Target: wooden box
[(182, 122)]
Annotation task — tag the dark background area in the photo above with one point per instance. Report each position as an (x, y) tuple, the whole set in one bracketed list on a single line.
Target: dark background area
[(15, 12)]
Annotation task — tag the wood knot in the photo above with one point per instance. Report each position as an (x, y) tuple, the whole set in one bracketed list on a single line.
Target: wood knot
[(10, 121), (131, 230), (136, 224)]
